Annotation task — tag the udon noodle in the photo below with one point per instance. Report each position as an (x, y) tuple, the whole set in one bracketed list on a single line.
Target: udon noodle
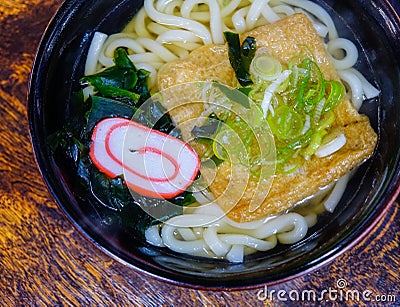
[(166, 30)]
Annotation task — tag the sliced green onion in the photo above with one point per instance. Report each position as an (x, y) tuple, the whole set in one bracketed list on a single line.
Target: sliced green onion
[(311, 88), (302, 83), (301, 142), (332, 146), (290, 166), (317, 87), (227, 145), (288, 160), (208, 152), (257, 91), (271, 89), (326, 120), (315, 143), (298, 105), (286, 123), (335, 91), (265, 67)]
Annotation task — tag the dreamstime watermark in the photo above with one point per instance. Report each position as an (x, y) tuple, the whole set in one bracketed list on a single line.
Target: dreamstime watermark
[(339, 293)]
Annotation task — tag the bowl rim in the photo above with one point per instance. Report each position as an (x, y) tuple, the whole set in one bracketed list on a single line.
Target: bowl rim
[(43, 53)]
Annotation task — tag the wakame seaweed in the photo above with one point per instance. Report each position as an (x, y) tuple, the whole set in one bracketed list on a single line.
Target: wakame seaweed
[(208, 130), (122, 81), (120, 91), (240, 56), (236, 95)]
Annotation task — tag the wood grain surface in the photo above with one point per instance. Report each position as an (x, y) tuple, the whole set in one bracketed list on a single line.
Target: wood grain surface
[(44, 261)]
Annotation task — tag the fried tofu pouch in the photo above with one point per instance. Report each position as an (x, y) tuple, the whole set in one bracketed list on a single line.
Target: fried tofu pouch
[(284, 39)]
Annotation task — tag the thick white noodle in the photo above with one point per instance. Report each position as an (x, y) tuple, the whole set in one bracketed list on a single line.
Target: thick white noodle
[(236, 254), (318, 12), (239, 21), (152, 235), (223, 239), (291, 223), (311, 219), (333, 146), (254, 12), (347, 48), (179, 51), (167, 6), (334, 197), (157, 48), (298, 232), (188, 46), (172, 6), (193, 220), (187, 234), (116, 40), (230, 8), (214, 210), (249, 241), (161, 5), (283, 10), (215, 17), (140, 24), (214, 243), (147, 57), (180, 246), (269, 14), (158, 29), (355, 86), (321, 29), (178, 21), (177, 36), (369, 90), (94, 52)]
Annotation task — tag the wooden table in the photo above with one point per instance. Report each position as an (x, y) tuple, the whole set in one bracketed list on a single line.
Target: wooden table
[(44, 261)]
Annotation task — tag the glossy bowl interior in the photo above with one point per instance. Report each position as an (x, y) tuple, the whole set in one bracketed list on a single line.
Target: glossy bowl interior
[(375, 28)]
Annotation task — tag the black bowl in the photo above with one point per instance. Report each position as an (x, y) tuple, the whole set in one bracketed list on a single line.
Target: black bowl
[(375, 28)]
